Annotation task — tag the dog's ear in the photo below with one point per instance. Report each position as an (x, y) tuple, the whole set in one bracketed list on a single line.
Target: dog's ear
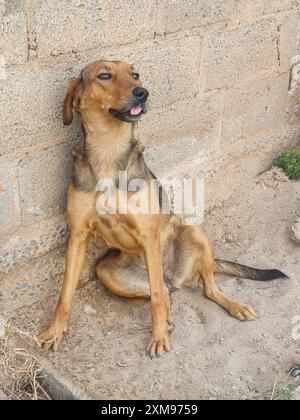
[(72, 99)]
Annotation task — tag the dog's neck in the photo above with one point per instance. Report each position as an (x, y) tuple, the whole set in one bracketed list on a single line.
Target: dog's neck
[(107, 146)]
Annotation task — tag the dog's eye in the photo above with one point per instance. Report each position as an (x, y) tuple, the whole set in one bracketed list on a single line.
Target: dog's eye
[(136, 76), (105, 76)]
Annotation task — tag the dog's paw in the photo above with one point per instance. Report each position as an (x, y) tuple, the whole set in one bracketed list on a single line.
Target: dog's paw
[(242, 312), (158, 345), (52, 338)]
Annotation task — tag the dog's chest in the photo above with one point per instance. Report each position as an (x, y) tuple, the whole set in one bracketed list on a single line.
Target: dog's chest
[(115, 233)]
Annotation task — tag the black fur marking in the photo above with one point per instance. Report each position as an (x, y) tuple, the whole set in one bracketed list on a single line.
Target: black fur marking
[(273, 274), (122, 163), (162, 192), (243, 271), (141, 170), (109, 252), (83, 178)]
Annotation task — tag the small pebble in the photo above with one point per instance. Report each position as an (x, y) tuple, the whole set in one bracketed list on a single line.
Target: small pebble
[(296, 394), (89, 310), (296, 373), (295, 234), (88, 365), (121, 364), (262, 370)]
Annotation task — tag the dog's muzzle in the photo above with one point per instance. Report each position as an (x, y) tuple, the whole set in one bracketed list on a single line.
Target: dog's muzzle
[(135, 110)]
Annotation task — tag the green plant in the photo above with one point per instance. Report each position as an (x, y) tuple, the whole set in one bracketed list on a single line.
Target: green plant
[(284, 390), (290, 163), (281, 392)]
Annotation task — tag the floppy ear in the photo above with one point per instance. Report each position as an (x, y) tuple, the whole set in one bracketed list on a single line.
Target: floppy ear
[(72, 99)]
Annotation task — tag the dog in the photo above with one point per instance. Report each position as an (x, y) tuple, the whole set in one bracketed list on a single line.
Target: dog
[(145, 252)]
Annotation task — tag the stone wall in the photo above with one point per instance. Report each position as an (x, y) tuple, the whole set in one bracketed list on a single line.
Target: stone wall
[(223, 81)]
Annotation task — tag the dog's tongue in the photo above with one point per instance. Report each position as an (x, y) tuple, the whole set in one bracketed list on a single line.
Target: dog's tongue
[(136, 110)]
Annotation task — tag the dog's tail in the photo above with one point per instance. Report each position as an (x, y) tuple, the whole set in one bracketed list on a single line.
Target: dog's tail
[(238, 270)]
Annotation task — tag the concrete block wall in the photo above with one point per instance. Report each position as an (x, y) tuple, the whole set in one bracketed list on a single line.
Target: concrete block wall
[(222, 107)]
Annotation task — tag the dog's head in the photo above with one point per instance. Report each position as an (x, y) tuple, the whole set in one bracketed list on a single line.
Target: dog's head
[(111, 89)]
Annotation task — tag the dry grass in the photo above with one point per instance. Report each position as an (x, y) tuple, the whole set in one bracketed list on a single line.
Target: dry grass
[(20, 371)]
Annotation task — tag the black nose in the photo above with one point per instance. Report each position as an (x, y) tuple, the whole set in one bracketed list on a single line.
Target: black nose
[(141, 93)]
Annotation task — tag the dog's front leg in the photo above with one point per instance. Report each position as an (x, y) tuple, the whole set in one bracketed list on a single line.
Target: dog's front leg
[(77, 246), (159, 341)]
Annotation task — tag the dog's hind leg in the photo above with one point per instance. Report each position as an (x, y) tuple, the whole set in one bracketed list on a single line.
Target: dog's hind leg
[(236, 309), (125, 277), (196, 252)]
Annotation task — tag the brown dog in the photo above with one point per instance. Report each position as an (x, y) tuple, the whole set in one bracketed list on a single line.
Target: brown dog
[(144, 250)]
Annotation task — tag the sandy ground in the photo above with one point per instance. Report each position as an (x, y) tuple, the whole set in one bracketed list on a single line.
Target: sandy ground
[(214, 356)]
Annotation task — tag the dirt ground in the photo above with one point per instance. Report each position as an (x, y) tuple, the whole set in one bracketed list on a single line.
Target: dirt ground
[(214, 356)]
